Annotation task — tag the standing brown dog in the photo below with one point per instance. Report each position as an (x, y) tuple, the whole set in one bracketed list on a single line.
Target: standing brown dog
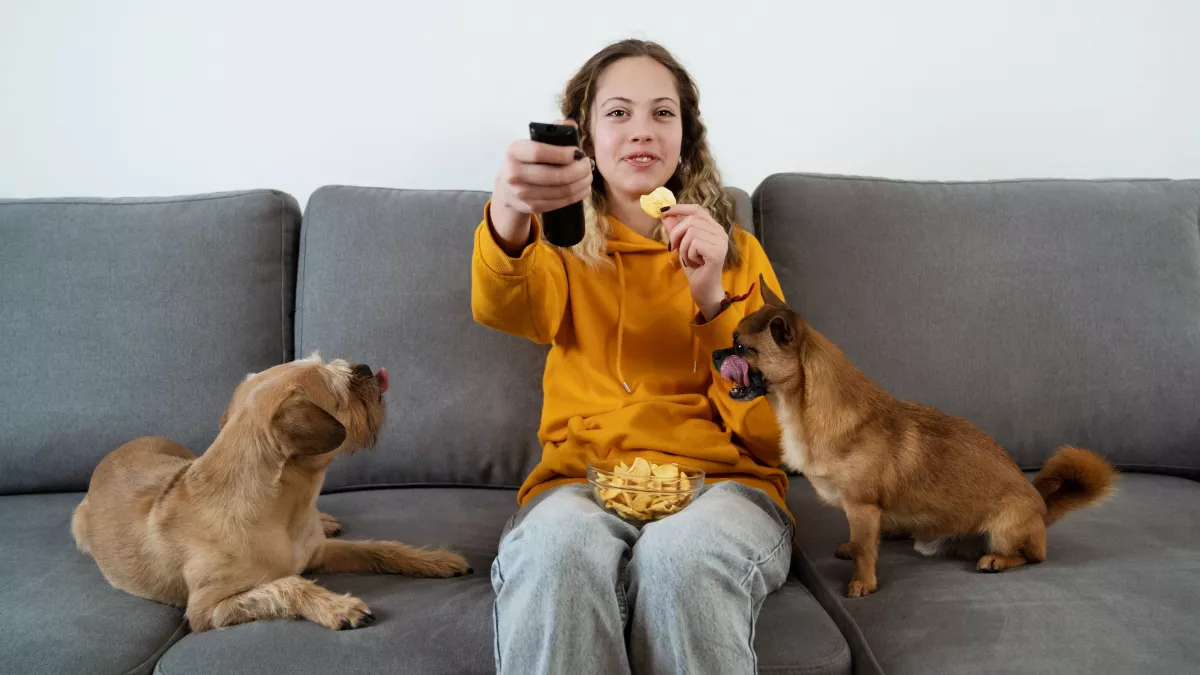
[(227, 534), (898, 466)]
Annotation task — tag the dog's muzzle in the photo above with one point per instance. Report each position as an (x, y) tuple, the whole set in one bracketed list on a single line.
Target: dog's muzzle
[(364, 371), (749, 384)]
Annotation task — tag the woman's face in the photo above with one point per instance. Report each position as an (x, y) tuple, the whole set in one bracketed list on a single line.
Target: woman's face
[(636, 129)]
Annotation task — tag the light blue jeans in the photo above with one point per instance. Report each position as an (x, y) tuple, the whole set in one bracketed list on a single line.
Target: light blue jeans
[(579, 591)]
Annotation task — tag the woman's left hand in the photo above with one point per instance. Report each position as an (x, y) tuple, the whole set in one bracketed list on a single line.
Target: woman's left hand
[(702, 246)]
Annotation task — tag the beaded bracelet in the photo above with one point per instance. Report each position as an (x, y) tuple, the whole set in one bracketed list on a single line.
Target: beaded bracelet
[(729, 300)]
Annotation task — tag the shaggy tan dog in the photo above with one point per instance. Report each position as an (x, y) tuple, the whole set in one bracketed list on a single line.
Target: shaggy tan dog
[(227, 534)]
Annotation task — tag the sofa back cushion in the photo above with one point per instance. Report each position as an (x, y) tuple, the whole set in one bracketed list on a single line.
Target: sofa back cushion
[(122, 318), (385, 279), (1047, 312)]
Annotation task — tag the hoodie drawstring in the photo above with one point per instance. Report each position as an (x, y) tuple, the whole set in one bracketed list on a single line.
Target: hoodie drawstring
[(621, 321), (695, 340)]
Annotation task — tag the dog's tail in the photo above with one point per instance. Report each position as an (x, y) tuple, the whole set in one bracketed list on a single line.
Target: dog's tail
[(79, 526), (1074, 478)]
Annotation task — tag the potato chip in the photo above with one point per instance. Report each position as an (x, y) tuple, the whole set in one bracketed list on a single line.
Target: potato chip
[(652, 203), (655, 490), (665, 471)]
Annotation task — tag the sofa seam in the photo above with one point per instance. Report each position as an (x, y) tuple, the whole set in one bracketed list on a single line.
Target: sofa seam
[(756, 214), (180, 631), (990, 181), (757, 205), (149, 201), (283, 280), (1128, 468), (395, 486), (340, 186), (834, 606), (301, 273)]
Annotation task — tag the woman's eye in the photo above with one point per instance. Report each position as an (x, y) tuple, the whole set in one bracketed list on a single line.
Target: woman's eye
[(665, 113), (616, 113)]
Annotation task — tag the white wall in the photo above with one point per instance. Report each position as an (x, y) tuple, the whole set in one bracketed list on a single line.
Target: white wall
[(131, 98)]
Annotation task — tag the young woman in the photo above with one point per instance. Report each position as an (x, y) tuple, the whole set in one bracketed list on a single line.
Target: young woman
[(633, 314)]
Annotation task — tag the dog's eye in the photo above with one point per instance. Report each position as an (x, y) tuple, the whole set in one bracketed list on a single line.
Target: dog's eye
[(739, 348)]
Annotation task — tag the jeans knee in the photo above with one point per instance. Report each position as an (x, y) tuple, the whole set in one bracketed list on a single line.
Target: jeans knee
[(672, 558), (563, 548)]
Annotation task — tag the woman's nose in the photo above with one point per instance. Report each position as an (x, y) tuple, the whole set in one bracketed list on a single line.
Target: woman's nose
[(641, 133)]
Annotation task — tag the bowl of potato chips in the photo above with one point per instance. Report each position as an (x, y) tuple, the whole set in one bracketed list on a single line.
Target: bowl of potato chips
[(640, 491)]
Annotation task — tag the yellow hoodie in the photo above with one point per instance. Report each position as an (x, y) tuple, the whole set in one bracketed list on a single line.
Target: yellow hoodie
[(630, 370)]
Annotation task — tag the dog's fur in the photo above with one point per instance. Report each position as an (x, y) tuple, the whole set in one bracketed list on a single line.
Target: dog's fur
[(900, 467), (227, 534)]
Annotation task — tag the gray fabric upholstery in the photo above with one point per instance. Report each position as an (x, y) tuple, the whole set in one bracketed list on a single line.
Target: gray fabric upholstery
[(131, 317), (1117, 594), (1047, 312), (745, 209), (444, 626), (385, 279), (58, 616)]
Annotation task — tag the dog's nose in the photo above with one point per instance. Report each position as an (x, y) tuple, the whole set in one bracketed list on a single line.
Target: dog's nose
[(363, 370)]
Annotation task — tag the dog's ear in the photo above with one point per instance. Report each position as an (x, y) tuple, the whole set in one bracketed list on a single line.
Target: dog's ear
[(768, 296), (781, 330), (306, 429)]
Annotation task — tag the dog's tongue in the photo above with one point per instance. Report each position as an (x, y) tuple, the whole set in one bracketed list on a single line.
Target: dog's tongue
[(383, 380), (735, 369)]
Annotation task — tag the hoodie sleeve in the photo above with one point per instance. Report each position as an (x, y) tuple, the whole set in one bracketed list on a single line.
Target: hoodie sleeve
[(524, 296), (753, 423)]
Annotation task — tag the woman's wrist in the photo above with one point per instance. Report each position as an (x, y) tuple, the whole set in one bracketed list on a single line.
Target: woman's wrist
[(709, 302), (512, 229)]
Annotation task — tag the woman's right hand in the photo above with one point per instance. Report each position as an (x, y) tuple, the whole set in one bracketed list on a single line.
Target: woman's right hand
[(536, 178)]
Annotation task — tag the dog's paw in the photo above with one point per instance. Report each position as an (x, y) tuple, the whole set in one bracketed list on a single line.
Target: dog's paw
[(860, 589), (330, 525), (443, 564), (436, 563), (845, 551), (342, 612), (990, 564)]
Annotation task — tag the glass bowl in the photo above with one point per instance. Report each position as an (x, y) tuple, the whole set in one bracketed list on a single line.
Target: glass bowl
[(640, 491)]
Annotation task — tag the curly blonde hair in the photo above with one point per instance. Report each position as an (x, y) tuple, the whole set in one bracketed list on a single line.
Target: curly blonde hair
[(695, 181)]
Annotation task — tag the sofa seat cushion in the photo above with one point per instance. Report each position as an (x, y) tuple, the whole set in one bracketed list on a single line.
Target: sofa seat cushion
[(1116, 595), (57, 613), (435, 626)]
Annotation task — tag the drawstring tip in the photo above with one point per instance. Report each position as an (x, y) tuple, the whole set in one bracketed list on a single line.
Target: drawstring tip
[(693, 366), (627, 389)]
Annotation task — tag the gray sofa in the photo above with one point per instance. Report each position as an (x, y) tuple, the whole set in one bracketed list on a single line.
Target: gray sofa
[(1047, 312)]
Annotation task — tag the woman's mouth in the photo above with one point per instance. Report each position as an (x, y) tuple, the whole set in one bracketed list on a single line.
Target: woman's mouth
[(640, 160)]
